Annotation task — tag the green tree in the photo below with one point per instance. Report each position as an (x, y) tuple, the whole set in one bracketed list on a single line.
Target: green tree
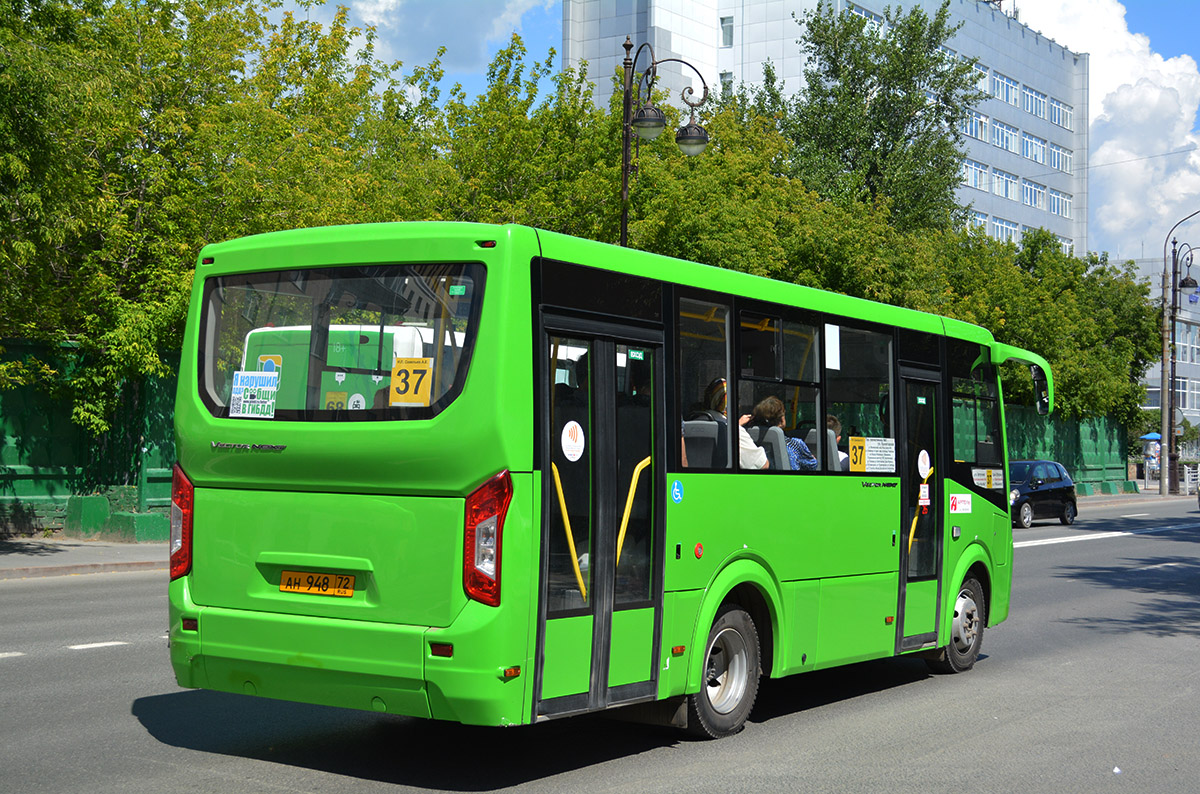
[(879, 115)]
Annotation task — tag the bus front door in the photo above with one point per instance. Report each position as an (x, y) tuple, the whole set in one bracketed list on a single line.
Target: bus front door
[(601, 582), (920, 547)]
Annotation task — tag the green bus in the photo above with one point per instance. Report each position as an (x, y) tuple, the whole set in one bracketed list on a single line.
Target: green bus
[(497, 475)]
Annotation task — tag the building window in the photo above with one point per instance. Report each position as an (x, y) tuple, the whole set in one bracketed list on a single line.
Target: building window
[(1060, 158), (1004, 184), (1005, 231), (1151, 400), (981, 75), (726, 82), (1060, 114), (1006, 89), (1006, 137), (975, 175), (1033, 102), (874, 21), (1033, 148), (1066, 244), (1060, 203), (975, 125), (1033, 195), (726, 31), (979, 220)]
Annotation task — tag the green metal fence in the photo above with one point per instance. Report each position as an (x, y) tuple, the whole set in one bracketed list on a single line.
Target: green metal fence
[(46, 461), (1092, 450)]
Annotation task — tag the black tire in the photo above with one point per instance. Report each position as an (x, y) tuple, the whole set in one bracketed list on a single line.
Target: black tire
[(1025, 516), (730, 679), (1068, 514), (966, 631)]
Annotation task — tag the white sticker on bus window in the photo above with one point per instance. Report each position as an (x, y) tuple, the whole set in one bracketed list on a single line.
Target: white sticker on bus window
[(923, 495), (357, 402), (833, 346), (923, 465), (572, 441), (253, 394), (960, 503)]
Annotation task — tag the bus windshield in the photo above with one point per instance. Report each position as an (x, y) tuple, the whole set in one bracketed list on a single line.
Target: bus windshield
[(336, 344)]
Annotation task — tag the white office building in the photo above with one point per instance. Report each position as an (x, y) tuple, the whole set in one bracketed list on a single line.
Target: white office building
[(1026, 144)]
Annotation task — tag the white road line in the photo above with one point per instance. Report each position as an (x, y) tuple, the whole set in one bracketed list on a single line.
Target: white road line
[(1160, 565), (1099, 535), (10, 654), (91, 645), (1136, 515)]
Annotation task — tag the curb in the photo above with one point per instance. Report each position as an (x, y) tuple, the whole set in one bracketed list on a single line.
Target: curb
[(35, 572)]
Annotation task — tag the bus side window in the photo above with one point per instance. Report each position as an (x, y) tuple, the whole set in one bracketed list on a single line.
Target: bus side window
[(703, 377)]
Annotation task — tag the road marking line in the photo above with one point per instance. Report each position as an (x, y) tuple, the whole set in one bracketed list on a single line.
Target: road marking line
[(1136, 515), (91, 645), (10, 654), (1097, 536)]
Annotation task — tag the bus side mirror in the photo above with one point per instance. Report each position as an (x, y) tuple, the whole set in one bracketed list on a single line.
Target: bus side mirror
[(1041, 394)]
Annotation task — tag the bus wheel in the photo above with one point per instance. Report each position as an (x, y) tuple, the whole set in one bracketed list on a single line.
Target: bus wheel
[(966, 631), (731, 670)]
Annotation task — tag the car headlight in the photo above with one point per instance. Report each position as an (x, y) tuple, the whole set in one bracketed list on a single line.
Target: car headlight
[(1012, 497)]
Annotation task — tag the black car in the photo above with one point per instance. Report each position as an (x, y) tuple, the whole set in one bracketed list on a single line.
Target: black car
[(1040, 489)]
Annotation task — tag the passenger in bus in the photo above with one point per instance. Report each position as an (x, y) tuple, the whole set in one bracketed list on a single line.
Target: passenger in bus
[(835, 424), (770, 413), (750, 455)]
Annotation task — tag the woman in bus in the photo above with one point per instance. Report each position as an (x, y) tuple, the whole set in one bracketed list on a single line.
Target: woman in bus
[(770, 413), (750, 455)]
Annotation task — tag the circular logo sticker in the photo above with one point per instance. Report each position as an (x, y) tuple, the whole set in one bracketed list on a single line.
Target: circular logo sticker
[(923, 466), (677, 491), (572, 441), (357, 401)]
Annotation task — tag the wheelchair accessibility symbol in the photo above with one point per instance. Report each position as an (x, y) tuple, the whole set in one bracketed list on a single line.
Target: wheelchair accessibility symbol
[(677, 491)]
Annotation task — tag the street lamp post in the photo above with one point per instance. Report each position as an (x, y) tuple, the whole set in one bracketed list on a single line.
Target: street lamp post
[(1167, 376), (1176, 284), (648, 122)]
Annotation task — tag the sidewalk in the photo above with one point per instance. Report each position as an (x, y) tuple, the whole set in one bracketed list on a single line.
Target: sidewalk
[(26, 558)]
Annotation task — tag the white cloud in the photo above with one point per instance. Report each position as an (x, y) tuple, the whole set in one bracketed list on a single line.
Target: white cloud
[(412, 30), (1145, 167)]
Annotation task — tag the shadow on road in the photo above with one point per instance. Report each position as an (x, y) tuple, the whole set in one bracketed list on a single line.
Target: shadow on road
[(1175, 580), (28, 547), (443, 755)]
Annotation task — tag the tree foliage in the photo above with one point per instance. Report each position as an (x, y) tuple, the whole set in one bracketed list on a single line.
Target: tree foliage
[(133, 132), (878, 117)]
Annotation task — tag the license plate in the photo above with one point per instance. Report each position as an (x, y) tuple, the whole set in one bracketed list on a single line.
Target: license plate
[(317, 583)]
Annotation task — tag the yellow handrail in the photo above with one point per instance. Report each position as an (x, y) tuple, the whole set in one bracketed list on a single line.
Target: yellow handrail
[(562, 504), (637, 472)]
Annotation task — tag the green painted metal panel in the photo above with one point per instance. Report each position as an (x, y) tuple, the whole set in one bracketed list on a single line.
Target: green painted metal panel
[(920, 606), (801, 627), (679, 624), (632, 646), (567, 663), (852, 624)]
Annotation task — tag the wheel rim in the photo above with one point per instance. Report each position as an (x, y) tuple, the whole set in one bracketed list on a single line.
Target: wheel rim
[(725, 671), (1070, 513), (1026, 514), (965, 628)]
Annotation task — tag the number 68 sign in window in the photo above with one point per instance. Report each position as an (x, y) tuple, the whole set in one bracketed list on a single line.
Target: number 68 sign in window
[(411, 382)]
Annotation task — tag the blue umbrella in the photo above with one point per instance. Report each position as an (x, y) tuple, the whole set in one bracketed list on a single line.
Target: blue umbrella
[(1151, 437)]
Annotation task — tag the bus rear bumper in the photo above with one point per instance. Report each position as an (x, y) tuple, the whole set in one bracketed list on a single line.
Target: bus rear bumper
[(346, 663)]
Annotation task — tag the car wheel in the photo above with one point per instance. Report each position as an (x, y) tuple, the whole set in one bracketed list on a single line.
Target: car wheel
[(1068, 514), (1025, 515), (966, 631), (730, 680)]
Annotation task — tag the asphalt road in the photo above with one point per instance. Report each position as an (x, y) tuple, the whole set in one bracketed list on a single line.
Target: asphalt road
[(1091, 685)]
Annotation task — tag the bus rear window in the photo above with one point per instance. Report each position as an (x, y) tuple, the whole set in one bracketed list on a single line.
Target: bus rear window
[(366, 342)]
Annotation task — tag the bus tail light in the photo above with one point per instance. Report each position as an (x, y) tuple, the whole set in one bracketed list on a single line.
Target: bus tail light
[(181, 523), (482, 540)]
